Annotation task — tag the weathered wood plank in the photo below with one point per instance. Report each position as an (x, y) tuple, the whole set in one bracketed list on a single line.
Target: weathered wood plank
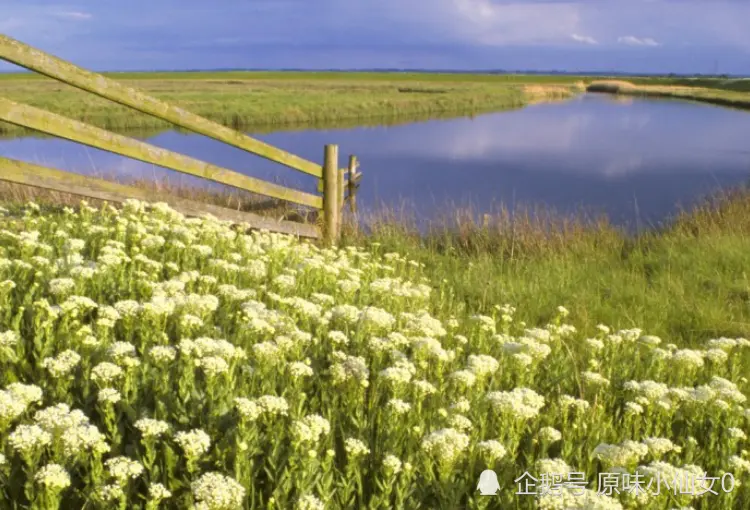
[(331, 210), (31, 58), (342, 190), (29, 174), (352, 184), (53, 124), (320, 182)]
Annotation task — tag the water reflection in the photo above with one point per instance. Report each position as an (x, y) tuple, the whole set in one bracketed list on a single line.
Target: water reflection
[(631, 160)]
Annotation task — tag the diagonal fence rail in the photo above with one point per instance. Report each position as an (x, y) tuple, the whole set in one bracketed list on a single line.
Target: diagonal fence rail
[(333, 187)]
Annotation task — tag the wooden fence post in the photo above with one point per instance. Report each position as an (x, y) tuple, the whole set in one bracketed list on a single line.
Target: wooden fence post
[(342, 192), (353, 178), (331, 209)]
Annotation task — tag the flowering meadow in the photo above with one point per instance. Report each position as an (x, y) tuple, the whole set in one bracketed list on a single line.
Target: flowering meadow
[(150, 360)]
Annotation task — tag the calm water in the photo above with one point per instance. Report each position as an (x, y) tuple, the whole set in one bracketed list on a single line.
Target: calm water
[(634, 160)]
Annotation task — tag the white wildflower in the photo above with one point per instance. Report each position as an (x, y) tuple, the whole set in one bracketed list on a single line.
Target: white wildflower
[(492, 450), (105, 372), (109, 396), (162, 354), (549, 434), (194, 443), (123, 469), (310, 428), (445, 445), (53, 477), (482, 365), (214, 491), (62, 364), (522, 403), (157, 492), (27, 438), (309, 502), (151, 428), (355, 448), (398, 406), (553, 467)]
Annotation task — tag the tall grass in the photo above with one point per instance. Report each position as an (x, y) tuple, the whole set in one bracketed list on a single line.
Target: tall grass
[(736, 84), (733, 96), (686, 278), (8, 131)]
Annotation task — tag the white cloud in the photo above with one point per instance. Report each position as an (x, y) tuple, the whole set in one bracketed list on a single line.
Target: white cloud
[(74, 15), (486, 22), (583, 39), (631, 40)]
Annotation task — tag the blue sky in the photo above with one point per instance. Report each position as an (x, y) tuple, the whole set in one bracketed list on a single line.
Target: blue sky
[(682, 36)]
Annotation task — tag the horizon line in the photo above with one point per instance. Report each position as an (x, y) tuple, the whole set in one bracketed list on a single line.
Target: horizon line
[(410, 70)]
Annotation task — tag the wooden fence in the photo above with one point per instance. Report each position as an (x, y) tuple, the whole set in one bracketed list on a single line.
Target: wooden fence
[(333, 191)]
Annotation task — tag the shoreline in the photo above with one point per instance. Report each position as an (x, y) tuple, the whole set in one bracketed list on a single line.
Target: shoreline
[(718, 97), (254, 127), (297, 102)]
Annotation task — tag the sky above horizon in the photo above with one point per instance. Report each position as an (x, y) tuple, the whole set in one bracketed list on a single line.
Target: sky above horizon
[(653, 36)]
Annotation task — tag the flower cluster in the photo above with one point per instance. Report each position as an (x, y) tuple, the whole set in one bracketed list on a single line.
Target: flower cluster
[(152, 359)]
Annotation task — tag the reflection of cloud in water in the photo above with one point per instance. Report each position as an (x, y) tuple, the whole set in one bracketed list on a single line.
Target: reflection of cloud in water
[(482, 141), (638, 122), (624, 166), (487, 136), (587, 136)]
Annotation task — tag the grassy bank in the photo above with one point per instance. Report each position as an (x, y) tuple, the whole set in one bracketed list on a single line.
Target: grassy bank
[(247, 100), (735, 84), (730, 93), (215, 369), (686, 279), (331, 123)]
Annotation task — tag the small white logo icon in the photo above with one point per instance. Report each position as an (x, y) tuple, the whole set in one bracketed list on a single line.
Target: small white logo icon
[(488, 484)]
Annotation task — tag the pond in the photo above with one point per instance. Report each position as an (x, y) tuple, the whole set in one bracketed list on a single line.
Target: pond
[(636, 160)]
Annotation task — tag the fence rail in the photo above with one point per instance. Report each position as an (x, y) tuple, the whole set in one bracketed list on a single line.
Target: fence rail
[(33, 59), (333, 186), (21, 172)]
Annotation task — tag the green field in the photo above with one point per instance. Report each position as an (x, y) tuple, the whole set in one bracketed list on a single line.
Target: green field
[(265, 99), (326, 76)]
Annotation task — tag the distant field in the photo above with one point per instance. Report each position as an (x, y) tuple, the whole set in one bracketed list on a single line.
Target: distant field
[(325, 76), (263, 99), (393, 76), (729, 93), (735, 84), (266, 100)]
